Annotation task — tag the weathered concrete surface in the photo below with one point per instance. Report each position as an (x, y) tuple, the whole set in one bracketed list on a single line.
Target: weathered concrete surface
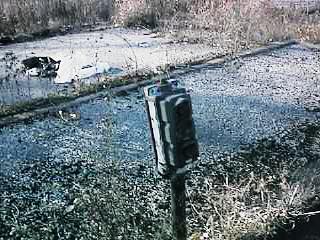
[(112, 52)]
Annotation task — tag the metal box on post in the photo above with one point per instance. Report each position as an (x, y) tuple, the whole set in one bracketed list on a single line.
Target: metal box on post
[(172, 128)]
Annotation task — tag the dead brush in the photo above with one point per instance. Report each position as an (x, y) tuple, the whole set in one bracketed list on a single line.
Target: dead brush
[(259, 22), (238, 24), (228, 25), (251, 208), (33, 15)]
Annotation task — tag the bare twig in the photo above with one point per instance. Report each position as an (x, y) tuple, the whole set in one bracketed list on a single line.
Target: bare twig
[(293, 194)]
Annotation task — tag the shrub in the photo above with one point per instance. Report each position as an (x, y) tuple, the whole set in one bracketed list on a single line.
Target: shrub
[(233, 24), (33, 15)]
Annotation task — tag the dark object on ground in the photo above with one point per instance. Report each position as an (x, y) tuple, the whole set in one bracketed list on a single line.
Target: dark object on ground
[(45, 66), (306, 226), (5, 40), (46, 63)]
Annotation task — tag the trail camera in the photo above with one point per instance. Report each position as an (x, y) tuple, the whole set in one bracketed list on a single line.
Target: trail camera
[(172, 128)]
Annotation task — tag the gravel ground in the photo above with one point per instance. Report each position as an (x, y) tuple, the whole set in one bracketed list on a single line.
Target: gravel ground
[(234, 104), (290, 75), (118, 130), (264, 97)]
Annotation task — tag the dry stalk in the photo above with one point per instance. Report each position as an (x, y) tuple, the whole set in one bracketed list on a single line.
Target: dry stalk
[(251, 207)]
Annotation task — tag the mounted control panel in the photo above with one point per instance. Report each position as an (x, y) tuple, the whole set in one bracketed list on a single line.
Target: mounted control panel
[(172, 127)]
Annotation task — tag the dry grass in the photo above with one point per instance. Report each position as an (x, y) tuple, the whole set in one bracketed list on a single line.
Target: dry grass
[(261, 192), (246, 196), (250, 209), (231, 25), (235, 24), (32, 15)]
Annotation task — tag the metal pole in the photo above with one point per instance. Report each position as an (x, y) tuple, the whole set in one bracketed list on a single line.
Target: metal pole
[(178, 207)]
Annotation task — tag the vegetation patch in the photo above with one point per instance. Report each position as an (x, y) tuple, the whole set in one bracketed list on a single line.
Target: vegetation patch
[(227, 24), (56, 99), (36, 16), (253, 193), (249, 194), (259, 192), (32, 105), (230, 25)]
